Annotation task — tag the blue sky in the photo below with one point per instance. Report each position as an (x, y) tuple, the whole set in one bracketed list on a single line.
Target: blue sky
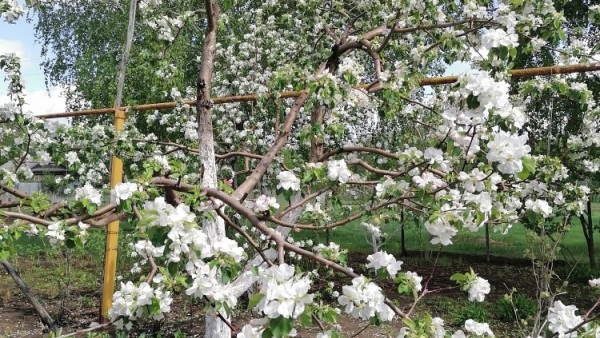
[(19, 39)]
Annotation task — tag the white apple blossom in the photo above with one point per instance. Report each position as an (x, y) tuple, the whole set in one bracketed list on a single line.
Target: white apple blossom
[(326, 334), (337, 170), (375, 231), (83, 231), (287, 181), (124, 191), (507, 150), (131, 301), (56, 233), (493, 38), (562, 318), (434, 155), (44, 157), (163, 162), (249, 331), (478, 288), (479, 329), (539, 206), (415, 281), (428, 180), (382, 259), (284, 294), (11, 10), (265, 203), (32, 230), (436, 330), (90, 193), (8, 176), (143, 247), (474, 181), (437, 327), (441, 230), (594, 282), (332, 251), (72, 158), (364, 300)]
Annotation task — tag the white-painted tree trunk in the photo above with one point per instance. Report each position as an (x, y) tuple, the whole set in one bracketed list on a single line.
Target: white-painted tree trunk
[(215, 227)]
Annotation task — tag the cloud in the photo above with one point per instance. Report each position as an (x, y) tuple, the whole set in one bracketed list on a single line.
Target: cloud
[(17, 47), (42, 101)]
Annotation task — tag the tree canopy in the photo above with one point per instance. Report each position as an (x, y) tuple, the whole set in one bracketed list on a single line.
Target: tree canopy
[(459, 157)]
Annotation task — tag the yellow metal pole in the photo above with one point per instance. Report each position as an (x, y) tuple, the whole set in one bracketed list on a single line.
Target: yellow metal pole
[(112, 232)]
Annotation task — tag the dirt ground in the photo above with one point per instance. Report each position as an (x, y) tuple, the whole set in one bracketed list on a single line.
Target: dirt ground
[(17, 318)]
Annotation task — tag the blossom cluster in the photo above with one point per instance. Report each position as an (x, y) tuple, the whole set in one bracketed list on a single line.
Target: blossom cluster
[(363, 299), (11, 10), (383, 260), (562, 318), (134, 302), (284, 293)]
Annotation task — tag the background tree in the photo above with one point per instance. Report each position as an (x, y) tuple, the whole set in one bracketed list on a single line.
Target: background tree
[(556, 110)]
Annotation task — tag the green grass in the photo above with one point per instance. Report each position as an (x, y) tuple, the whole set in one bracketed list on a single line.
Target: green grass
[(35, 257), (512, 245)]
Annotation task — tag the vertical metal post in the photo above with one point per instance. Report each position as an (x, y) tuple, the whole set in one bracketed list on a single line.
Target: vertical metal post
[(112, 232)]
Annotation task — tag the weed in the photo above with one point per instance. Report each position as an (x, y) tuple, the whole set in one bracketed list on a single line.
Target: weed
[(87, 301), (97, 335), (474, 311), (580, 274), (516, 308)]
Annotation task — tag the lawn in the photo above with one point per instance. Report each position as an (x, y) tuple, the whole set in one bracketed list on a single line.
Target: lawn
[(512, 245)]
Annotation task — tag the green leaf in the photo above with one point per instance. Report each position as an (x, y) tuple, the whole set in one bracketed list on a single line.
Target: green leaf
[(78, 242), (528, 163), (254, 300), (155, 306), (459, 278), (4, 254), (70, 243), (523, 174), (306, 317), (91, 208), (267, 333), (172, 268), (280, 326), (472, 102), (480, 217)]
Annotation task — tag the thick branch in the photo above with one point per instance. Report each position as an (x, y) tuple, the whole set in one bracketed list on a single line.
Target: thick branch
[(13, 191), (268, 158), (351, 149)]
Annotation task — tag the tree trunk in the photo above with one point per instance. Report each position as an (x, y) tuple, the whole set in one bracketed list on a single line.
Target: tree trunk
[(214, 227), (402, 238), (487, 242), (587, 226)]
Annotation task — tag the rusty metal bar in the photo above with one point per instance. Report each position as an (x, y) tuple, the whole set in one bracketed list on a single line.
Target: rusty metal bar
[(515, 73)]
